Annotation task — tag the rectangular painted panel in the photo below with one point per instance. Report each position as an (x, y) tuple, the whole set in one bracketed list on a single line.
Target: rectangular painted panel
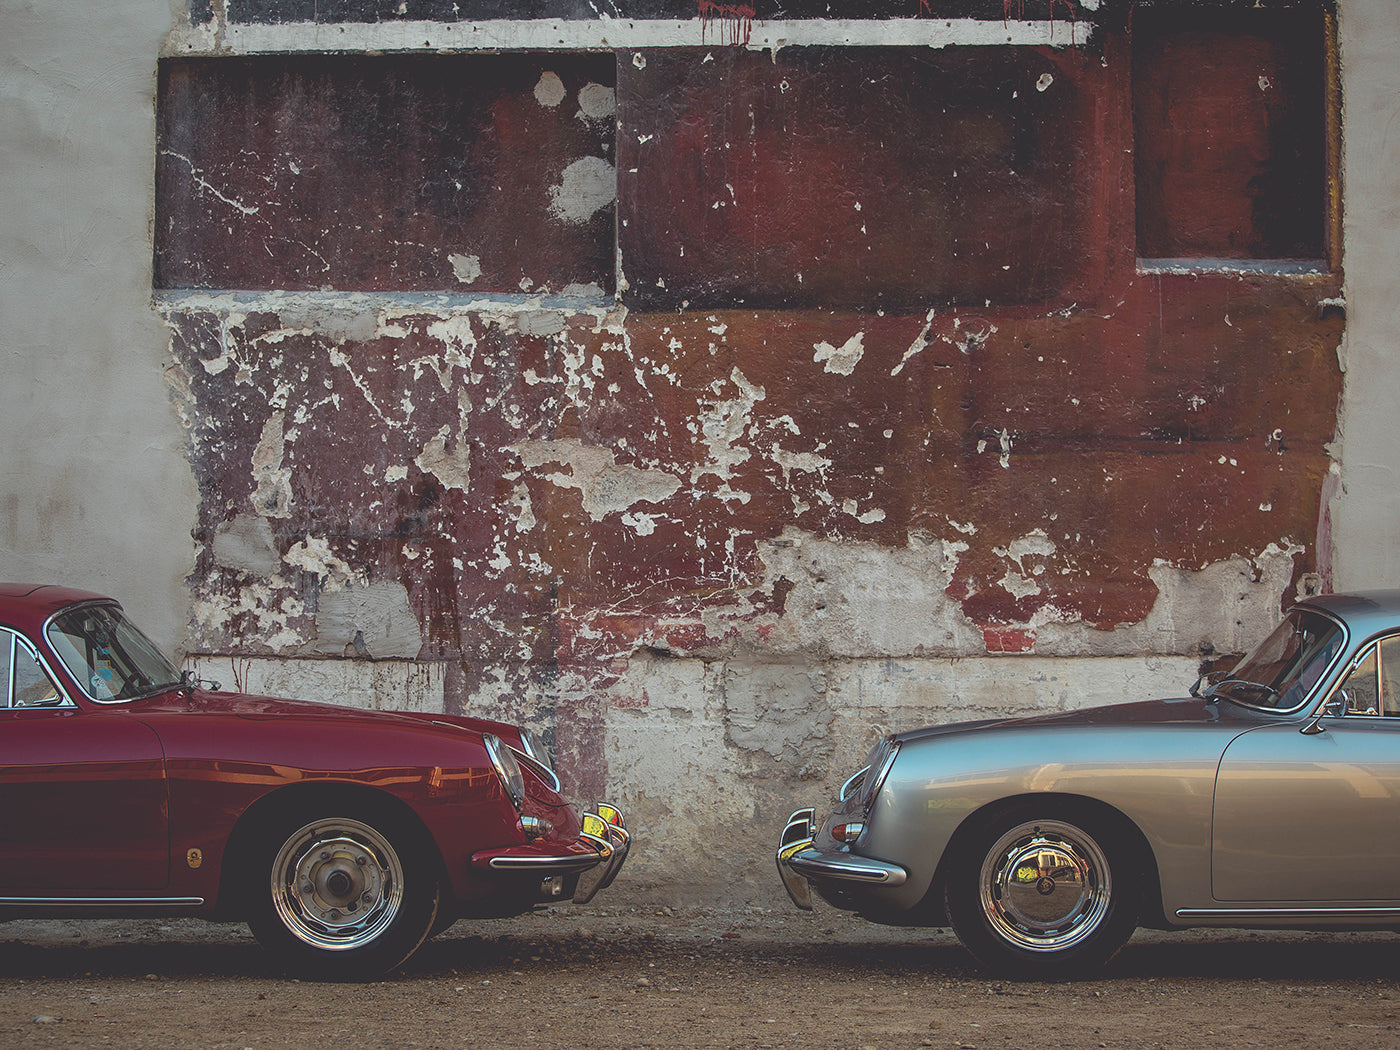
[(464, 173), (1230, 134), (856, 178)]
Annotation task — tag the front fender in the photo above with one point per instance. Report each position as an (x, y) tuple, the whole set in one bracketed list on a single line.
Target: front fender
[(1161, 778)]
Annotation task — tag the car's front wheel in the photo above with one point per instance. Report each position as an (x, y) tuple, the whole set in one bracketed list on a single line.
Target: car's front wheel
[(1043, 892), (341, 897)]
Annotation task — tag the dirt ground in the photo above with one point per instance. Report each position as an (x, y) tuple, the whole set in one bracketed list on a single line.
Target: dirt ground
[(644, 977)]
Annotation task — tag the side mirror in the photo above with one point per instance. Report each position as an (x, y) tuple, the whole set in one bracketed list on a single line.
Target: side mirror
[(1336, 706)]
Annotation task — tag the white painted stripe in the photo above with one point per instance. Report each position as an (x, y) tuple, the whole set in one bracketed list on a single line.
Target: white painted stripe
[(615, 34)]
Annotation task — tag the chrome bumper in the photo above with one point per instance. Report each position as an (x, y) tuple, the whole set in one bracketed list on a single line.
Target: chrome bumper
[(799, 861), (595, 857)]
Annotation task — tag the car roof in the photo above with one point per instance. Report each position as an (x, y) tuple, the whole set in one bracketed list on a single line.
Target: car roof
[(28, 605), (1364, 612)]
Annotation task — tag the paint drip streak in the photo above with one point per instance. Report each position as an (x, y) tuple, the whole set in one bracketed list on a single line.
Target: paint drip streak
[(735, 21)]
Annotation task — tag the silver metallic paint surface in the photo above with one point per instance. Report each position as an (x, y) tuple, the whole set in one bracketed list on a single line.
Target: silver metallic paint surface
[(1298, 829)]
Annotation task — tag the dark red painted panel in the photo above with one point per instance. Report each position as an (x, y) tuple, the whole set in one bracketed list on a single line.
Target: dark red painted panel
[(375, 173), (1230, 136), (856, 178)]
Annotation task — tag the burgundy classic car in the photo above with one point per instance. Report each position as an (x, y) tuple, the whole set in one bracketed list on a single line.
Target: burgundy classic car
[(343, 837)]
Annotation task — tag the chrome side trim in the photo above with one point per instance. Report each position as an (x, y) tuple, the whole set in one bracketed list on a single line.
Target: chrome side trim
[(580, 862), (853, 782), (1244, 913), (18, 637), (104, 902), (815, 864), (537, 767)]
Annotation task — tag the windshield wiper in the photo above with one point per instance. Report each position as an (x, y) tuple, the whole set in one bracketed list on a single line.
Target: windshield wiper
[(1216, 690)]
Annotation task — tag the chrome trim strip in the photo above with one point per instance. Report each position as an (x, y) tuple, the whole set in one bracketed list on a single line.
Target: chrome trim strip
[(65, 700), (871, 788), (815, 864), (1216, 913), (852, 782), (535, 766), (105, 902), (572, 863)]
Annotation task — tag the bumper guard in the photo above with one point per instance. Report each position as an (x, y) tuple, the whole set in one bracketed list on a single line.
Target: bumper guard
[(799, 862), (596, 856)]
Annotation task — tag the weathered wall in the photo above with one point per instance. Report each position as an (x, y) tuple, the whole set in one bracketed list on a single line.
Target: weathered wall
[(875, 421), (1365, 513), (94, 488)]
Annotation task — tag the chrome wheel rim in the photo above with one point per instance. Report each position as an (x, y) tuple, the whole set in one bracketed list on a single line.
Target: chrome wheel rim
[(337, 884), (1045, 886)]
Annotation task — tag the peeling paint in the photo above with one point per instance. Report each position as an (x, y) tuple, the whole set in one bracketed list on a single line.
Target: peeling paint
[(840, 360), (607, 486)]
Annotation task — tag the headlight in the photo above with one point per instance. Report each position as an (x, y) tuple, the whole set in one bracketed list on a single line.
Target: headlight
[(882, 757), (507, 768)]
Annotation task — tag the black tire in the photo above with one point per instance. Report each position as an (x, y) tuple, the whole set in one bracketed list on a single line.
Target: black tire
[(445, 920), (341, 897), (1044, 891)]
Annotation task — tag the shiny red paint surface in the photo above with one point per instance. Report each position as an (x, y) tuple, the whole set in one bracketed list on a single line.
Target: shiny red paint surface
[(142, 799)]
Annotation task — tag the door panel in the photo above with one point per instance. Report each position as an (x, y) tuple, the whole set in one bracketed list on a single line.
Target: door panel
[(83, 804), (1310, 818)]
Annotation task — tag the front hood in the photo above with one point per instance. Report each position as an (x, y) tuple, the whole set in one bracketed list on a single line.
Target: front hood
[(272, 708), (260, 708), (1183, 711)]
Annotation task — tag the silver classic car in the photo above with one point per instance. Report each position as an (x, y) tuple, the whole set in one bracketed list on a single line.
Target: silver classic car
[(1270, 797)]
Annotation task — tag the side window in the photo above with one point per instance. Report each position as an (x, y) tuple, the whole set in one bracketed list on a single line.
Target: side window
[(1389, 674), (7, 650), (23, 682), (1362, 686), (1373, 687)]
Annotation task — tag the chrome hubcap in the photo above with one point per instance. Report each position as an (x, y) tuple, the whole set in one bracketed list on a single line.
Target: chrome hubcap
[(337, 884), (1045, 886)]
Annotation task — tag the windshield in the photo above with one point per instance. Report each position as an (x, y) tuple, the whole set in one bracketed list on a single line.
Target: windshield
[(108, 655), (1280, 672)]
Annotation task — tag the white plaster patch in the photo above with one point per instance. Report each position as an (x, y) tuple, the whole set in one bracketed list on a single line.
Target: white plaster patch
[(597, 102), (272, 493), (607, 486), (640, 523), (1035, 542), (369, 622), (451, 467), (807, 462), (918, 346), (588, 184), (840, 360), (723, 425), (467, 268), (313, 555), (549, 90), (246, 543), (525, 511)]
